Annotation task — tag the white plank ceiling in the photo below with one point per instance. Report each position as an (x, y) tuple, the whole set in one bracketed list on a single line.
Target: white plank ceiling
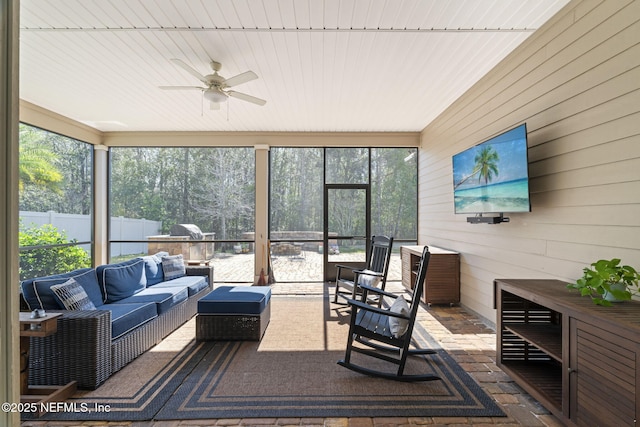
[(323, 65)]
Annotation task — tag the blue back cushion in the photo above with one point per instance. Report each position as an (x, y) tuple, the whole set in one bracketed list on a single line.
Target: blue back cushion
[(38, 294), (153, 268), (122, 280)]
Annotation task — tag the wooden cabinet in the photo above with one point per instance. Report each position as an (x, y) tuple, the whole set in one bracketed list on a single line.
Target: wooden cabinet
[(442, 284), (576, 358)]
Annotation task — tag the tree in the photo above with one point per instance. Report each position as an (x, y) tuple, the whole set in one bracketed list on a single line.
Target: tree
[(394, 192), (226, 194), (138, 179), (56, 172), (296, 189), (36, 162)]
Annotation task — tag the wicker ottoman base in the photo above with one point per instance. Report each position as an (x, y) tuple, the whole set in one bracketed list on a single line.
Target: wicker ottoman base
[(231, 327), (234, 313)]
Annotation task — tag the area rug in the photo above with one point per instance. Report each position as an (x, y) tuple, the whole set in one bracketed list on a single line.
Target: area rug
[(292, 372)]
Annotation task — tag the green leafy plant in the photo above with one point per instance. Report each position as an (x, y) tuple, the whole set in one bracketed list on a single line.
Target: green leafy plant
[(55, 257), (607, 277)]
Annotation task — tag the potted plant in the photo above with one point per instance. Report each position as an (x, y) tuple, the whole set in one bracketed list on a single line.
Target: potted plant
[(607, 281)]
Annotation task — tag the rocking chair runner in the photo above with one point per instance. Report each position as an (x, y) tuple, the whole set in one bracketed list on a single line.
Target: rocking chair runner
[(374, 273), (387, 331)]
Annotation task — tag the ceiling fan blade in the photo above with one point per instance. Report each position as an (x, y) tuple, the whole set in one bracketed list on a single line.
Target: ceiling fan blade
[(189, 69), (181, 87), (247, 76), (245, 97)]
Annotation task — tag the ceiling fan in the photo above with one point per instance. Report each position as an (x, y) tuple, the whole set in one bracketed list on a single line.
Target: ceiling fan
[(216, 88)]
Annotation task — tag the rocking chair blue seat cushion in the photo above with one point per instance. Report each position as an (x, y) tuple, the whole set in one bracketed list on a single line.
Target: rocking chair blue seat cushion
[(235, 300)]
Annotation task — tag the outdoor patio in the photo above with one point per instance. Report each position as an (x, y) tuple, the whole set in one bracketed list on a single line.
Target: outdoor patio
[(306, 267)]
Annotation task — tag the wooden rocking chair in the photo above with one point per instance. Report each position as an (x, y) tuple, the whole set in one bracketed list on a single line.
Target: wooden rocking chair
[(383, 330), (375, 271)]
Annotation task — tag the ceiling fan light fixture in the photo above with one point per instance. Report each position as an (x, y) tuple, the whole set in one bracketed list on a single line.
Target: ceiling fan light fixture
[(215, 95), (215, 85)]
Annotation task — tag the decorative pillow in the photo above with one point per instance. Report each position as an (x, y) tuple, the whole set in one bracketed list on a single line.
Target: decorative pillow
[(173, 267), (73, 296), (399, 326), (369, 279)]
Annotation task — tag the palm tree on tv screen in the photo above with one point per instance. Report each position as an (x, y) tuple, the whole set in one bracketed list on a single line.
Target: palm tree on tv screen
[(486, 163)]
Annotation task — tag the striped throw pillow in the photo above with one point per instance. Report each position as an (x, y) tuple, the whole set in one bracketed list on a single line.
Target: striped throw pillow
[(73, 296), (173, 267)]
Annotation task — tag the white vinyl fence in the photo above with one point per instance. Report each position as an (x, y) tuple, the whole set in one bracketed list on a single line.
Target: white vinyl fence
[(79, 227), (132, 229)]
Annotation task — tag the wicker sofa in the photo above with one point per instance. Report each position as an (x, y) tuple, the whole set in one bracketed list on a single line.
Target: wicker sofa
[(137, 303)]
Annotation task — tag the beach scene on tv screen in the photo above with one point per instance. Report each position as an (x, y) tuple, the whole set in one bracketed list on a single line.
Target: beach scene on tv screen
[(493, 176)]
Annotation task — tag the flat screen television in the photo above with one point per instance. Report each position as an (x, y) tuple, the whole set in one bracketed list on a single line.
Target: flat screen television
[(493, 176)]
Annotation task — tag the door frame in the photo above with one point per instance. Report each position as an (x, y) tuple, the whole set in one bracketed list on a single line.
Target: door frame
[(329, 270)]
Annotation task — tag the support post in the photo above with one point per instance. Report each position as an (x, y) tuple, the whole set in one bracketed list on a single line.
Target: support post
[(9, 214), (262, 209)]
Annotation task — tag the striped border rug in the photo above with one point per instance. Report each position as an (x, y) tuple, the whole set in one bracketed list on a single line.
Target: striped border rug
[(291, 373)]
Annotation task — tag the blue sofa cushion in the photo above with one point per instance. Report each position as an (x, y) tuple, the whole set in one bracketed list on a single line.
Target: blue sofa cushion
[(153, 268), (121, 280), (126, 317), (248, 300), (193, 283), (164, 297), (73, 296), (38, 294)]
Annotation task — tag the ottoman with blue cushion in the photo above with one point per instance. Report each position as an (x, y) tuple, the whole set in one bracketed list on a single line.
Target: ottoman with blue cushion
[(234, 313)]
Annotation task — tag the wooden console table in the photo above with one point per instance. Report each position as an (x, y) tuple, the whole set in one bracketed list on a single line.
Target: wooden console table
[(578, 359), (442, 284), (40, 394)]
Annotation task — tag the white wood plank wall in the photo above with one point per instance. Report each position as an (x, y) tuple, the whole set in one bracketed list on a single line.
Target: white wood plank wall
[(576, 83)]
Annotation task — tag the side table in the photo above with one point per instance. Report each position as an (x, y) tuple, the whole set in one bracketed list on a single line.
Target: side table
[(442, 284), (40, 327)]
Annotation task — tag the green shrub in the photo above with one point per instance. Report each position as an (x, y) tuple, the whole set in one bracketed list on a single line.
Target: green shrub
[(51, 260)]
